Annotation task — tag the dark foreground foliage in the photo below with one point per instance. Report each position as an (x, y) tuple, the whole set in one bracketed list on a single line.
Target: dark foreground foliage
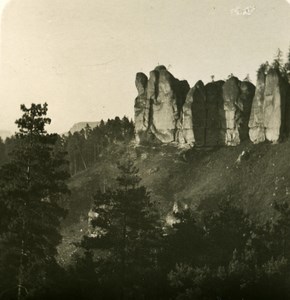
[(130, 252), (207, 256)]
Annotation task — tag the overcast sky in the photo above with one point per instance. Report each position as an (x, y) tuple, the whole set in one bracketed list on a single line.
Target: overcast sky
[(81, 56)]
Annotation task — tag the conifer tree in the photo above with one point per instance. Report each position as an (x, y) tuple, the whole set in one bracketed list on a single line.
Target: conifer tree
[(3, 157), (287, 64), (31, 186), (128, 229), (278, 62)]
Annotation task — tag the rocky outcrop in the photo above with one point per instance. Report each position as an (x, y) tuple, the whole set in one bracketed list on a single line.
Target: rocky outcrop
[(158, 107), (269, 109), (247, 92), (256, 122), (164, 106), (237, 102), (273, 107), (142, 107), (214, 133), (287, 112), (232, 107), (218, 113), (167, 104), (194, 115), (167, 110)]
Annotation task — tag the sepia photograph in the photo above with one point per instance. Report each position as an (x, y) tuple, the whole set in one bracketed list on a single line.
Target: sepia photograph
[(145, 150)]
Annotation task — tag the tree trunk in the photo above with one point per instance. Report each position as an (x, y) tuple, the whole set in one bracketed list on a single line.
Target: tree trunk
[(20, 273)]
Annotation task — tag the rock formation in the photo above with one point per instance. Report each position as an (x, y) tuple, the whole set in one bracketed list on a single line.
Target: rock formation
[(287, 111), (218, 113), (232, 107), (269, 109), (158, 106), (214, 133), (194, 115), (167, 110), (237, 97), (164, 106), (142, 107), (247, 92)]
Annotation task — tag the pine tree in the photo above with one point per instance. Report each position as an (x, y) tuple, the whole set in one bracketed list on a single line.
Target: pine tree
[(287, 65), (278, 62), (128, 230), (3, 157), (31, 186), (185, 241)]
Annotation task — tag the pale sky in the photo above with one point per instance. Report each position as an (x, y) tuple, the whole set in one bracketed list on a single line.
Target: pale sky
[(81, 56)]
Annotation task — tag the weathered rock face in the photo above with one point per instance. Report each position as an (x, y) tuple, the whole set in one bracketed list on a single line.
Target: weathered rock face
[(256, 122), (237, 98), (142, 107), (167, 110), (287, 112), (183, 134), (214, 133), (232, 107), (194, 115), (273, 107), (268, 113), (218, 113), (247, 92), (164, 108), (158, 107)]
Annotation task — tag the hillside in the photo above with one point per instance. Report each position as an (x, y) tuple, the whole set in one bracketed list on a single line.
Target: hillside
[(199, 177), (4, 134), (82, 125)]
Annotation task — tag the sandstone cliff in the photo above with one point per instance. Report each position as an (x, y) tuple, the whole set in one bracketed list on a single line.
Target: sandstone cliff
[(214, 133), (142, 107), (247, 92), (237, 97), (218, 113), (269, 120), (158, 106), (194, 115)]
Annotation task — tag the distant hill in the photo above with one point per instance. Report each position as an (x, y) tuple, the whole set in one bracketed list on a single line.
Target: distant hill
[(4, 134), (81, 125)]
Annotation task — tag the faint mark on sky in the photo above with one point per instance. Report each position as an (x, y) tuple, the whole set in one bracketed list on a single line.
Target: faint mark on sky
[(246, 11), (2, 5), (288, 1)]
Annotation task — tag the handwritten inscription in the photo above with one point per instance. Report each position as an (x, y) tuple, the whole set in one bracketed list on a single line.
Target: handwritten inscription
[(246, 11)]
